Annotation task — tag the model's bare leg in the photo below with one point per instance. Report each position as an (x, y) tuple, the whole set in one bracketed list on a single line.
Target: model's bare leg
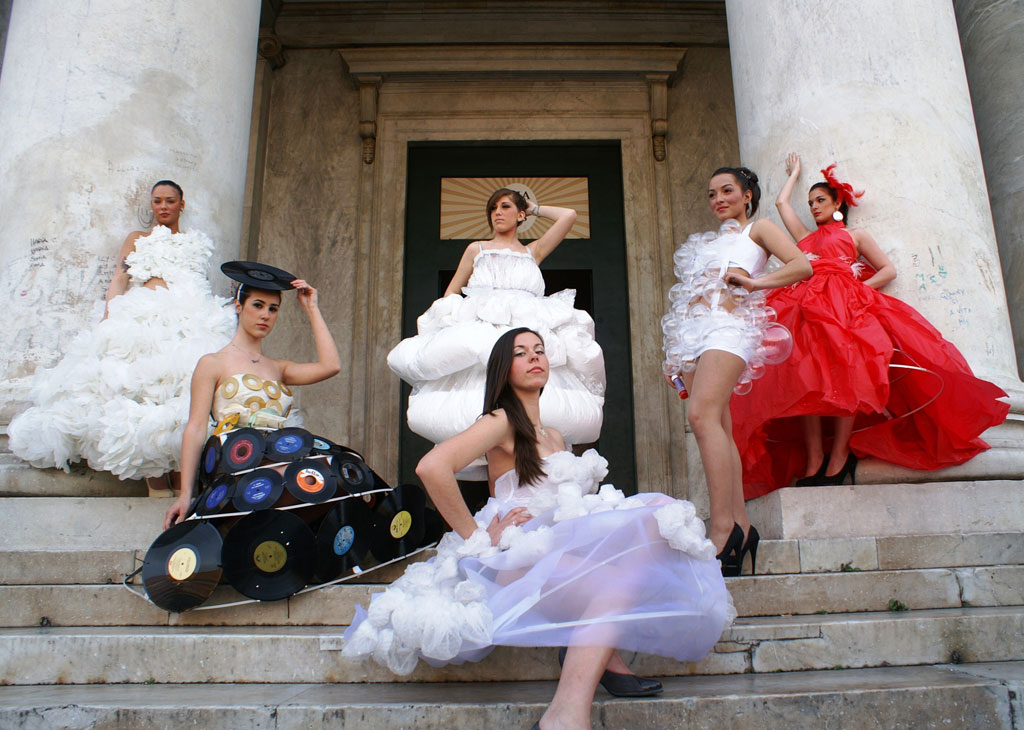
[(570, 707), (710, 387), (812, 442), (840, 445)]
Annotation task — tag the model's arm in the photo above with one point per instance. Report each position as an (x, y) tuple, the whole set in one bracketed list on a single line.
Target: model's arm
[(438, 468), (563, 220), (790, 219), (119, 282), (867, 247), (328, 363), (795, 265), (204, 383), (464, 271)]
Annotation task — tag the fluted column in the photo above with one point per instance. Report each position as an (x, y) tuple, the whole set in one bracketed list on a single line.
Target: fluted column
[(880, 88), (992, 38), (97, 102)]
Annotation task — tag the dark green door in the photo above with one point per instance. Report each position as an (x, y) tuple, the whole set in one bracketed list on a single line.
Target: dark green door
[(595, 267)]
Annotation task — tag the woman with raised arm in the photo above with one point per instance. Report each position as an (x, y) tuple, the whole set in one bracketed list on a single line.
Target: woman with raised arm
[(718, 338), (884, 380), (240, 386), (551, 560), (119, 396), (501, 286)]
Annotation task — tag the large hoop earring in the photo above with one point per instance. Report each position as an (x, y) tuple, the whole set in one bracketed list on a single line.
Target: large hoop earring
[(837, 215)]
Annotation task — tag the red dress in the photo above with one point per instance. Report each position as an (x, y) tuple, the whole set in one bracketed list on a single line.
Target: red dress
[(851, 346)]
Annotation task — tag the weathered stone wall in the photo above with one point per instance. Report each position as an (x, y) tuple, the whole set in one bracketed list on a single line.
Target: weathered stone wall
[(308, 213)]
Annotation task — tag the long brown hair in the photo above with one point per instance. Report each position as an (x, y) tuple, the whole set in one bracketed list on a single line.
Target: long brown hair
[(498, 393)]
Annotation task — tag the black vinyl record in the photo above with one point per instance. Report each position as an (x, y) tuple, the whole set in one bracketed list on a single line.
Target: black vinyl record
[(183, 565), (311, 480), (258, 276), (354, 476), (209, 460), (325, 447), (214, 497), (269, 555), (399, 526), (242, 449), (258, 490), (343, 539), (433, 526), (288, 444)]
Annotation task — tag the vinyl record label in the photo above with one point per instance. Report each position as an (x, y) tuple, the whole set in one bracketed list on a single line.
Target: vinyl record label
[(270, 556), (182, 563)]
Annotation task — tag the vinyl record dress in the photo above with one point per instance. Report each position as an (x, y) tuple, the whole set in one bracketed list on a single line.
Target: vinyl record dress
[(445, 362), (591, 568), (858, 352), (119, 397)]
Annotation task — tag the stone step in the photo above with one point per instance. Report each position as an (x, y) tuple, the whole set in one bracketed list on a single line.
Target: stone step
[(173, 654), (984, 697), (871, 510), (818, 593), (58, 565), (44, 524), (18, 479)]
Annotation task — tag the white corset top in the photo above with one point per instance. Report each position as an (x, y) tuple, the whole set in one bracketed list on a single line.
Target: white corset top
[(742, 252), (497, 268)]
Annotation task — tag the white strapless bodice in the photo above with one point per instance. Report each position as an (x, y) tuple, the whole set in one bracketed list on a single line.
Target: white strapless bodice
[(504, 269), (177, 258)]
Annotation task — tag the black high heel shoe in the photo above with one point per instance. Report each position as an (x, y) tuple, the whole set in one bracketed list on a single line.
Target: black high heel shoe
[(849, 469), (814, 480), (750, 546), (732, 555), (622, 685)]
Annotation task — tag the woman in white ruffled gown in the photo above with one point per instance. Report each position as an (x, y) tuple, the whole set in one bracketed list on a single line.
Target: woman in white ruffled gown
[(119, 396), (551, 560), (503, 288)]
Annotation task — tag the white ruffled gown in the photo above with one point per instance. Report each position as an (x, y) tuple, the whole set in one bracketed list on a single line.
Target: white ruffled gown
[(445, 363), (119, 397), (592, 568)]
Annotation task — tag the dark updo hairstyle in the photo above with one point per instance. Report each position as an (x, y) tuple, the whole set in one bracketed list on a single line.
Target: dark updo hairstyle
[(839, 191), (518, 199), (243, 292), (747, 180), (498, 393), (169, 183)]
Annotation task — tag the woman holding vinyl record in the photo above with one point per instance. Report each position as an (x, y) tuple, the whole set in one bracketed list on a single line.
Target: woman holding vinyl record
[(550, 560), (238, 385)]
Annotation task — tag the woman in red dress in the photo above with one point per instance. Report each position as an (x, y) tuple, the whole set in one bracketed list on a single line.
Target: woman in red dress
[(868, 376)]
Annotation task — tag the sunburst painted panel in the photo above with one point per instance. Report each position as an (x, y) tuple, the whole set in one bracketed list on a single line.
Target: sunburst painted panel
[(463, 200)]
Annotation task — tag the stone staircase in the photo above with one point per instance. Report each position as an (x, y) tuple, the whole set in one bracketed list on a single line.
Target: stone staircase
[(850, 623)]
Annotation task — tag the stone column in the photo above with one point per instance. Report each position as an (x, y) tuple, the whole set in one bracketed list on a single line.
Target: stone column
[(97, 102), (880, 88), (992, 38)]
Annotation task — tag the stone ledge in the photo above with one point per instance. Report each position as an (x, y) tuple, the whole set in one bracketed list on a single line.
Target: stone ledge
[(311, 654), (873, 510), (18, 479), (871, 699)]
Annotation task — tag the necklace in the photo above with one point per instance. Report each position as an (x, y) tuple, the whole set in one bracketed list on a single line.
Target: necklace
[(258, 357), (541, 429)]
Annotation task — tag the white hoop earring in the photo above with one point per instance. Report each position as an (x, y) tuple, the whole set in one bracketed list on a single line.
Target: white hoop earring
[(837, 216)]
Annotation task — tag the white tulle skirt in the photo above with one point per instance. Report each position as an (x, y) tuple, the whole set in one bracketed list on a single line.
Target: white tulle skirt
[(599, 569), (119, 397)]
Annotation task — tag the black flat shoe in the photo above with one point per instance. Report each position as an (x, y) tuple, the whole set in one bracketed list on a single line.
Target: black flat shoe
[(622, 685), (629, 685), (731, 555), (536, 726)]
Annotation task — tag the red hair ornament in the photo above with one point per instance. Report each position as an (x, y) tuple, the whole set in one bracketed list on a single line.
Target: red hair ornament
[(844, 191)]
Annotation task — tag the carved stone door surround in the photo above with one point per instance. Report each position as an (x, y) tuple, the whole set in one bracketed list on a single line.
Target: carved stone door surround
[(460, 93)]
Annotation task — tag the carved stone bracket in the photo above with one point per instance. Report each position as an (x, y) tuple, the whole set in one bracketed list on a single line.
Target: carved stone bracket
[(269, 47), (658, 86), (368, 86)]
